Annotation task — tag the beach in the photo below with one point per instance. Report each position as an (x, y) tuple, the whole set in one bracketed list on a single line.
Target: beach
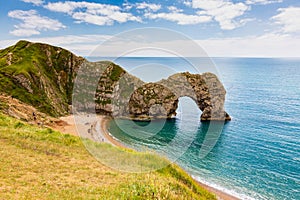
[(67, 125)]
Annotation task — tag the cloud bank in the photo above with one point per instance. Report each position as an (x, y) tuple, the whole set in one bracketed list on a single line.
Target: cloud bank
[(32, 23)]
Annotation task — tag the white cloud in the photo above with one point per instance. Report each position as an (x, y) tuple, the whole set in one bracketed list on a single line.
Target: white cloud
[(93, 13), (263, 2), (187, 3), (268, 45), (174, 9), (127, 6), (223, 11), (92, 19), (148, 6), (32, 23), (73, 39), (244, 21), (81, 45), (180, 18), (64, 7), (289, 19), (35, 2), (25, 32)]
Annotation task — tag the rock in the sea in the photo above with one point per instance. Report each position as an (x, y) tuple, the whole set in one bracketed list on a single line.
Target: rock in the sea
[(129, 97)]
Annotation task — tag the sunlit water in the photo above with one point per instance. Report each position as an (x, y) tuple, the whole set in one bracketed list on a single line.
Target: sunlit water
[(257, 154)]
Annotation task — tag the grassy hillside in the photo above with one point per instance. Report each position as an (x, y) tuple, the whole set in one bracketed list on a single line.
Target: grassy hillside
[(43, 76), (40, 75), (41, 163)]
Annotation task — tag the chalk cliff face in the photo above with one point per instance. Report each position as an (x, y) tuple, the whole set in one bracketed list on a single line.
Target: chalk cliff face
[(44, 76)]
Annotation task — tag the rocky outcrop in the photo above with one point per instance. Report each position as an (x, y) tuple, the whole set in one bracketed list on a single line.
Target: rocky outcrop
[(106, 88), (103, 87), (129, 97), (44, 76), (206, 90), (153, 100), (22, 111), (160, 100), (25, 82)]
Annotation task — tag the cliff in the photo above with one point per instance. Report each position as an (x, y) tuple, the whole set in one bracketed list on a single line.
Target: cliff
[(47, 77), (39, 75)]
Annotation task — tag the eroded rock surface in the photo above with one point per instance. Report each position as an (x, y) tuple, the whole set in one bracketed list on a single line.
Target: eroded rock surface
[(206, 90), (153, 100), (50, 79), (122, 95)]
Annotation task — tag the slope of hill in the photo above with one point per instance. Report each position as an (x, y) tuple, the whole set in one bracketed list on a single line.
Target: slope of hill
[(41, 163), (43, 76), (40, 75)]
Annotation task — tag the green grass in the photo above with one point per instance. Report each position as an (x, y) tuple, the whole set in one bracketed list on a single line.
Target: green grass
[(3, 105), (39, 163), (103, 102), (41, 65), (8, 86), (116, 72)]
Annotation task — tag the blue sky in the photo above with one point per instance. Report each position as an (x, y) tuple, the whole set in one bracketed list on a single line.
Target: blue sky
[(250, 28)]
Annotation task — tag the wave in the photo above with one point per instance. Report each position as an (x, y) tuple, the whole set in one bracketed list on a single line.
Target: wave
[(226, 190)]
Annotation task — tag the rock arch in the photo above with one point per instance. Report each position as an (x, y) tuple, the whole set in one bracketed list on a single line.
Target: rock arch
[(206, 90), (153, 100), (121, 94)]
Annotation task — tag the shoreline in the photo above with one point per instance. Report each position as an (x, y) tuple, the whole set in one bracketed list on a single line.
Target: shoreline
[(67, 125), (104, 130), (220, 194)]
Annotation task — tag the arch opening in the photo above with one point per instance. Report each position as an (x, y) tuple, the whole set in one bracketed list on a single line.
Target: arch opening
[(187, 108)]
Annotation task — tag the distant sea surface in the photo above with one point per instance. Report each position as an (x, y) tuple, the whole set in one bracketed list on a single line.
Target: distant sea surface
[(257, 155)]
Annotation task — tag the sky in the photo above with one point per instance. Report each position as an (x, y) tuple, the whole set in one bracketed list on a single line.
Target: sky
[(223, 28)]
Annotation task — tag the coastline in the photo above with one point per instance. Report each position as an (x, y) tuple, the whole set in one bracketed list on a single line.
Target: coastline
[(67, 125), (106, 134), (220, 194)]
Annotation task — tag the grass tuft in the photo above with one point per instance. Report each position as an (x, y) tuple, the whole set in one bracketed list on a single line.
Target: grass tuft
[(40, 163)]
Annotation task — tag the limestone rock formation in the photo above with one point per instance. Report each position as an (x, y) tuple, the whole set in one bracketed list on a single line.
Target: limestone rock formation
[(153, 100), (50, 79), (206, 90), (120, 94)]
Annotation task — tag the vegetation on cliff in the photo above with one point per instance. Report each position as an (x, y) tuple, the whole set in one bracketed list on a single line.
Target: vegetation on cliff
[(40, 75), (43, 76)]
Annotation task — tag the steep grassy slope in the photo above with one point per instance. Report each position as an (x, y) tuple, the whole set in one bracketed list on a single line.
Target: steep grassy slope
[(43, 76), (40, 75), (44, 164)]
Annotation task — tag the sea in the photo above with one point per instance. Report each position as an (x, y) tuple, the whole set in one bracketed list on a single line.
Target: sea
[(256, 155)]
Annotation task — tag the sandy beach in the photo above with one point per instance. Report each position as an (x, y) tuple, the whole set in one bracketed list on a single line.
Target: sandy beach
[(99, 128)]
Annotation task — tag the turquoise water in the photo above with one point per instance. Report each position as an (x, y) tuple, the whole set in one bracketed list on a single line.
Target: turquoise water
[(257, 154)]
